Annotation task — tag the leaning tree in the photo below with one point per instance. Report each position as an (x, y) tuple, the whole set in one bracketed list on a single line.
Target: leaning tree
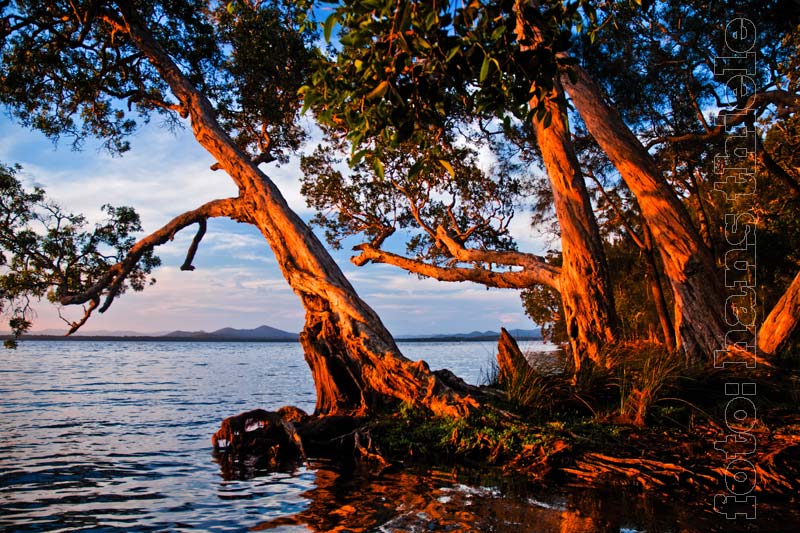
[(231, 71), (405, 66), (692, 85)]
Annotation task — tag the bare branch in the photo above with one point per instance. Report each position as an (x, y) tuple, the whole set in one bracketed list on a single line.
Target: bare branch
[(775, 168), (529, 262), (786, 102), (535, 271), (87, 312), (264, 157), (618, 211), (111, 282), (201, 231)]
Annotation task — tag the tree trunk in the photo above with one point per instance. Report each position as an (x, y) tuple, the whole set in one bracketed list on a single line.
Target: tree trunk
[(587, 299), (782, 321), (688, 264), (657, 290), (511, 362), (586, 295), (355, 363)]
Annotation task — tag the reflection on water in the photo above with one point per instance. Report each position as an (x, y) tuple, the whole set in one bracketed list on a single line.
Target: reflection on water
[(424, 501), (115, 436)]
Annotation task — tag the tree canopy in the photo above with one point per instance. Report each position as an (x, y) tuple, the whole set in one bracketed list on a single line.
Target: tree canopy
[(442, 121)]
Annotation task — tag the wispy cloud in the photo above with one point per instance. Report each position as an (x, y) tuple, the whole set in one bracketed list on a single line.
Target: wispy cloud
[(237, 281)]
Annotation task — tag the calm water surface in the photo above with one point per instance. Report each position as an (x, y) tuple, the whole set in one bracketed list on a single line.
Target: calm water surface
[(107, 436)]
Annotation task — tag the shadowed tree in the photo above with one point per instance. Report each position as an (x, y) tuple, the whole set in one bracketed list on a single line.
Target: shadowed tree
[(47, 252), (663, 67), (79, 69)]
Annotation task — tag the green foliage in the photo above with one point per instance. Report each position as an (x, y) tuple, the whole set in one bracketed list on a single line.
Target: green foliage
[(543, 305), (269, 60), (487, 436), (46, 252), (415, 191), (409, 66), (67, 70)]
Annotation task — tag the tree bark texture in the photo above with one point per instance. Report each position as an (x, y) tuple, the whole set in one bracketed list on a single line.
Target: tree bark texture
[(511, 362), (355, 362), (782, 321), (688, 264), (587, 299), (586, 295), (657, 290)]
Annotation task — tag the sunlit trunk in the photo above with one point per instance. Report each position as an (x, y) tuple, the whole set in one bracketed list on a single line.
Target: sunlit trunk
[(688, 264), (355, 363), (586, 295), (782, 321)]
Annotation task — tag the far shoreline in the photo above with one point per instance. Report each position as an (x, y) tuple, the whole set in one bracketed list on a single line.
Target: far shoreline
[(112, 338)]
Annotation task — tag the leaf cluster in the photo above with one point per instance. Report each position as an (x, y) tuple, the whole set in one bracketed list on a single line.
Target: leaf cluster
[(46, 252), (68, 69), (414, 191), (404, 66)]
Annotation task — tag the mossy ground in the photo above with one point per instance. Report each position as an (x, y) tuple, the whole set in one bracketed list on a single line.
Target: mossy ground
[(588, 427)]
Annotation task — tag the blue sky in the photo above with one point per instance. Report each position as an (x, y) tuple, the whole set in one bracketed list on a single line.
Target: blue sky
[(237, 282)]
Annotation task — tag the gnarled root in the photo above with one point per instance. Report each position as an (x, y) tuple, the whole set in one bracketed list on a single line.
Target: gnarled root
[(271, 435)]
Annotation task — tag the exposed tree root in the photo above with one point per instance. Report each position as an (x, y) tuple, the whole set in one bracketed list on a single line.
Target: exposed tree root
[(776, 466)]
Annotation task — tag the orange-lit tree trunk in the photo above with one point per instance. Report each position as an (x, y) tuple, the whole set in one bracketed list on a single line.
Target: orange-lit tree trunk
[(657, 290), (355, 363), (587, 299), (586, 296), (782, 321), (688, 264)]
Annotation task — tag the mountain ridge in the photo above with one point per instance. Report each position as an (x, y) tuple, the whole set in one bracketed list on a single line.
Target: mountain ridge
[(264, 333)]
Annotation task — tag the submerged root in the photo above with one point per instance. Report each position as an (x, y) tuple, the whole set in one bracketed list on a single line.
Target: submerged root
[(775, 470), (271, 436)]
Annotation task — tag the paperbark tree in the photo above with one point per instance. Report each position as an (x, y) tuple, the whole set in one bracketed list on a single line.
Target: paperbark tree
[(688, 263), (782, 321), (427, 78), (665, 66), (355, 363)]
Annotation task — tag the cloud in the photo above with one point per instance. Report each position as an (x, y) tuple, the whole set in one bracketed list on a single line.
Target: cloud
[(237, 281)]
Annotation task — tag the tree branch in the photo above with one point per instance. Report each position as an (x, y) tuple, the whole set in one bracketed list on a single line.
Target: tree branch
[(75, 326), (534, 271), (786, 102), (530, 262), (111, 282), (201, 231), (775, 168)]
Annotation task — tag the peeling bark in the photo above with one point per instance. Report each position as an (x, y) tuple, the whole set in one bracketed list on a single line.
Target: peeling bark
[(585, 287), (586, 295), (688, 263), (355, 363), (782, 321)]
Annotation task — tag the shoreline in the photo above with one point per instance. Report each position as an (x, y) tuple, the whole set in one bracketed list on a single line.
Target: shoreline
[(115, 338)]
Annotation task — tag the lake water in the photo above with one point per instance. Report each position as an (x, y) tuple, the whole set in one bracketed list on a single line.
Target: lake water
[(101, 436)]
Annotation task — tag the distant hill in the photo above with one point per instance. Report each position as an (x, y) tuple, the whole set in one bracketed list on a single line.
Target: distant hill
[(261, 333), (518, 334), (55, 332)]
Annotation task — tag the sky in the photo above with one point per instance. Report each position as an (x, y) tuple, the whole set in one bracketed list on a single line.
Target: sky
[(237, 282)]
